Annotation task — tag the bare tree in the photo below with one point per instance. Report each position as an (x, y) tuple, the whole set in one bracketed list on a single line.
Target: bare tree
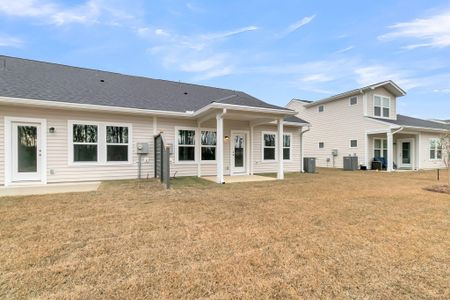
[(445, 142)]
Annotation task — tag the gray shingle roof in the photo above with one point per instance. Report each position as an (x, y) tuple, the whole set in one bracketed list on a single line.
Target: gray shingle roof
[(295, 119), (23, 78), (415, 122)]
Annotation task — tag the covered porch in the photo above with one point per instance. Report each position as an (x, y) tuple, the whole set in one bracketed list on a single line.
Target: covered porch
[(248, 141), (400, 149)]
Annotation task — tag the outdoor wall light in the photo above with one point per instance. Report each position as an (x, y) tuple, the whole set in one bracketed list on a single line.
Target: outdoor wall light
[(227, 138), (51, 130)]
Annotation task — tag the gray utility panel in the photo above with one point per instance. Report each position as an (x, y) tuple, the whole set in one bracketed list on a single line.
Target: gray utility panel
[(351, 163), (309, 164)]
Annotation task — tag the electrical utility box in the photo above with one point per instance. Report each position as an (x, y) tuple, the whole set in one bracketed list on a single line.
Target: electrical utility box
[(351, 163), (142, 148)]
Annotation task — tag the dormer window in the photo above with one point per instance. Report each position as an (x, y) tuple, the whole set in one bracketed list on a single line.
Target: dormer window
[(353, 100), (382, 106), (321, 108)]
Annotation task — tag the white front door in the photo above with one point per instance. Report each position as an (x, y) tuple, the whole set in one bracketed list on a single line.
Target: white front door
[(238, 154), (26, 152), (405, 153)]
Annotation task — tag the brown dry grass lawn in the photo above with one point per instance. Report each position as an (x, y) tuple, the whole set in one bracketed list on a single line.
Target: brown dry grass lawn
[(331, 235)]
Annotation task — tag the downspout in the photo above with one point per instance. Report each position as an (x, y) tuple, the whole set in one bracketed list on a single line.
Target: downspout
[(302, 132)]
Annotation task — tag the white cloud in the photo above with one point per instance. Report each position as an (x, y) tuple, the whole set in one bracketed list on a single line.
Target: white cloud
[(10, 41), (89, 12), (433, 31), (300, 23), (317, 78), (370, 74), (198, 54), (345, 49)]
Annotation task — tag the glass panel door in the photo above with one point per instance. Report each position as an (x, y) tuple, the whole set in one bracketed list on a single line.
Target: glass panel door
[(26, 152), (27, 149), (238, 153), (406, 153)]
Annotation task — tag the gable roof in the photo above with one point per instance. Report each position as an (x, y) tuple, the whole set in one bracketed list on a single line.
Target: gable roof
[(407, 121), (388, 84), (37, 80), (294, 119)]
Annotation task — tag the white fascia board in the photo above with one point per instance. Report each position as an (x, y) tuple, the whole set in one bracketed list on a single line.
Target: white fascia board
[(90, 107), (127, 110)]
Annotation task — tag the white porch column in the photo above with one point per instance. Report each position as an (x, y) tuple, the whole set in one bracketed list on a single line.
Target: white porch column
[(366, 151), (198, 150), (390, 151), (251, 149), (280, 174), (219, 148)]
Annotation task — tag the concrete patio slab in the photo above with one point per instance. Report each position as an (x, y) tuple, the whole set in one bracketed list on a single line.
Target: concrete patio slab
[(53, 188), (241, 178)]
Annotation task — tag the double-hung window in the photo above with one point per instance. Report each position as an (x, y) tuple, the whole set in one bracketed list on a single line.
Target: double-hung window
[(85, 142), (380, 148), (99, 142), (381, 106), (117, 143), (208, 141), (435, 149), (269, 145), (186, 145), (287, 146)]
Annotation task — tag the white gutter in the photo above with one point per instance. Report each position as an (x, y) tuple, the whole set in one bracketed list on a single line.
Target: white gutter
[(126, 110), (302, 132)]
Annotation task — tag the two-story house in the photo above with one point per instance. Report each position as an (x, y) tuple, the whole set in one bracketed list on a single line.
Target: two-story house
[(364, 123)]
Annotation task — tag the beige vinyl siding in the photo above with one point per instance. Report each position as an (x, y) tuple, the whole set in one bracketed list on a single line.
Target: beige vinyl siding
[(60, 170), (382, 92), (57, 144), (335, 127), (261, 166)]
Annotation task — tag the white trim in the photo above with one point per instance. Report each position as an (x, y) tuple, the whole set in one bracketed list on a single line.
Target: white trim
[(290, 146), (350, 143), (412, 153), (206, 162), (102, 154), (127, 110), (8, 148), (252, 133), (350, 100), (263, 146), (187, 162), (382, 106), (365, 105), (435, 149), (245, 133)]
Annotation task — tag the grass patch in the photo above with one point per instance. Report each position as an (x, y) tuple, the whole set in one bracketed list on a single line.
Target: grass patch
[(190, 182), (333, 234)]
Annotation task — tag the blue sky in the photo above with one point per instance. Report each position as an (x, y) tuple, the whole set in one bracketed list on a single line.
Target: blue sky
[(274, 50)]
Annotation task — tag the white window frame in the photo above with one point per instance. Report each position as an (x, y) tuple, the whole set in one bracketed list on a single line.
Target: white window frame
[(350, 101), (129, 144), (350, 143), (196, 141), (323, 108), (101, 143), (381, 147), (263, 146), (206, 146), (290, 146), (382, 106), (438, 141), (318, 145)]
